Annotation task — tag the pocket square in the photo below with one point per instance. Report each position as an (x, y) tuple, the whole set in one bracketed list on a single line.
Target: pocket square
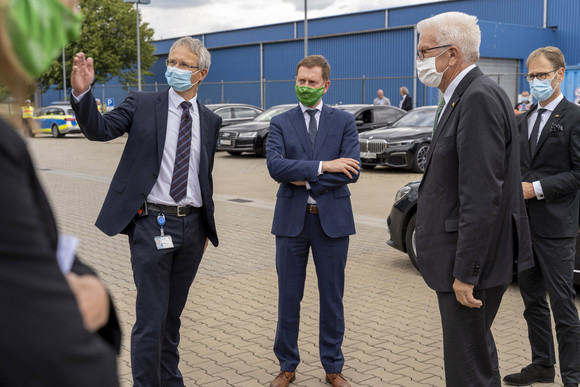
[(556, 128)]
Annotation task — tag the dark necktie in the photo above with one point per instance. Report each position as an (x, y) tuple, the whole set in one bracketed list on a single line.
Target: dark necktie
[(181, 168), (534, 136), (440, 106), (312, 128)]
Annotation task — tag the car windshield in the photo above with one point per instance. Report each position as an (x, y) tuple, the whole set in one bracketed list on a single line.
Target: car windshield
[(419, 117), (350, 109), (272, 112)]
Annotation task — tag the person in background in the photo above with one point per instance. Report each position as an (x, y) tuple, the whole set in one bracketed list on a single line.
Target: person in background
[(313, 152), (58, 327), (406, 102), (381, 100), (524, 105), (471, 222), (99, 105), (160, 196), (550, 170), (27, 111)]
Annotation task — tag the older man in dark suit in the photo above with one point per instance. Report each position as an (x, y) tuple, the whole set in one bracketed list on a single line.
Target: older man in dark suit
[(160, 195), (550, 170), (471, 222)]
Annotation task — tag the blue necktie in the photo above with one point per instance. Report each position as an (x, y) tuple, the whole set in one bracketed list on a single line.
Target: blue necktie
[(181, 168), (312, 128)]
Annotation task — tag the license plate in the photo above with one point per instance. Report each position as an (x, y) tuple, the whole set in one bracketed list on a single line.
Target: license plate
[(368, 155), (225, 142)]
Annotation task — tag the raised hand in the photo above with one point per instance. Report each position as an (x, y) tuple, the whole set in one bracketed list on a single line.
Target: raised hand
[(83, 73)]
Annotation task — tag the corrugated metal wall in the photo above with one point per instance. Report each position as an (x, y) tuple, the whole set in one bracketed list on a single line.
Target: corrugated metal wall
[(564, 14), (526, 12), (343, 23)]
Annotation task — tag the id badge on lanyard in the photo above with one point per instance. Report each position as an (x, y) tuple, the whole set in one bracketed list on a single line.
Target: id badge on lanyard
[(162, 241)]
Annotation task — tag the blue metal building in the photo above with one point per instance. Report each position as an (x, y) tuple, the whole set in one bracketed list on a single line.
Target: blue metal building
[(369, 51)]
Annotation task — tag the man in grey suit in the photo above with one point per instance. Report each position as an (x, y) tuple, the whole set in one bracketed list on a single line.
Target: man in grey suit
[(550, 170), (471, 221)]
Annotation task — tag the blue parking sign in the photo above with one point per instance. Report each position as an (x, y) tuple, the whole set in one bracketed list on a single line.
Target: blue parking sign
[(110, 102)]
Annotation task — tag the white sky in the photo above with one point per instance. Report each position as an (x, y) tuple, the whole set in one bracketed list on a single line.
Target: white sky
[(175, 18)]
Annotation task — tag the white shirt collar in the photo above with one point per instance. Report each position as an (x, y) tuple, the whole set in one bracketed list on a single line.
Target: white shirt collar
[(304, 108), (455, 82), (552, 105), (175, 100)]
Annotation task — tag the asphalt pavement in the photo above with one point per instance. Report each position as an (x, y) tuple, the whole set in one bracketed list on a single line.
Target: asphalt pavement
[(393, 332)]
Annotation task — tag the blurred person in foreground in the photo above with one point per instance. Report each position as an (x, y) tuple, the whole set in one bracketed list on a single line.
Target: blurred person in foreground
[(550, 170), (471, 221), (313, 152), (49, 320), (160, 196)]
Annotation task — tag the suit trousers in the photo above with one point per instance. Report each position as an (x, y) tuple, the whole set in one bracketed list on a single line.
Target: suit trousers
[(330, 261), (552, 274), (470, 354), (163, 279)]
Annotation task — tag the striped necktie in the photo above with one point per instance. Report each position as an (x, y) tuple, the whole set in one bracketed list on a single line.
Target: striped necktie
[(181, 168), (439, 109)]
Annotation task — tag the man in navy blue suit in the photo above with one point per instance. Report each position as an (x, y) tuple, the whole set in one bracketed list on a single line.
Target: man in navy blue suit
[(313, 152), (160, 195)]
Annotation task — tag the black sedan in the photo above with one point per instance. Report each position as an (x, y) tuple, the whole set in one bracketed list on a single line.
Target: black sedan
[(251, 136), (369, 117), (401, 224), (234, 113), (404, 144)]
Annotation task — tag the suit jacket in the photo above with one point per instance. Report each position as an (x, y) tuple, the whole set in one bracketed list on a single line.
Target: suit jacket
[(290, 158), (43, 341), (556, 164), (471, 221), (407, 103), (144, 117)]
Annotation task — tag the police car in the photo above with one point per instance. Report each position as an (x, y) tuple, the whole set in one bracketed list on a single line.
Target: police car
[(57, 119)]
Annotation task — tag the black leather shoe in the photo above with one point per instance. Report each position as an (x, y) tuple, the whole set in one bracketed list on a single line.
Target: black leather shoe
[(534, 373)]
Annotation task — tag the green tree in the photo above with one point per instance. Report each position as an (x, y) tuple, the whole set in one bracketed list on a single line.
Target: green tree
[(108, 36)]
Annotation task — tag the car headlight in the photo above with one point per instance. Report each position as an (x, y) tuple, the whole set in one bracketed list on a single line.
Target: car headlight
[(400, 143), (402, 193), (248, 134)]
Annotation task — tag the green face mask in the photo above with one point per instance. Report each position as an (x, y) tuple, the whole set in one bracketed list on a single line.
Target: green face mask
[(307, 95), (38, 30)]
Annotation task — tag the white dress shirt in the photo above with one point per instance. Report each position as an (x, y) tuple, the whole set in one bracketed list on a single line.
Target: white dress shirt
[(531, 122), (160, 192), (318, 109)]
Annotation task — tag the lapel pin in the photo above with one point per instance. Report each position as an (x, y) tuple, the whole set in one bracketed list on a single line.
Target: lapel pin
[(556, 116), (452, 104)]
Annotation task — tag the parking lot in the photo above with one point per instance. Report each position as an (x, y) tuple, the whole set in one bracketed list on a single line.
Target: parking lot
[(393, 335)]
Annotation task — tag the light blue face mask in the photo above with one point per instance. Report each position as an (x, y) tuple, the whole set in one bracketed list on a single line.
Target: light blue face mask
[(542, 90), (179, 79)]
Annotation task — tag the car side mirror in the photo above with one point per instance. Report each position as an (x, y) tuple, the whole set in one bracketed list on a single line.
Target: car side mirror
[(359, 122)]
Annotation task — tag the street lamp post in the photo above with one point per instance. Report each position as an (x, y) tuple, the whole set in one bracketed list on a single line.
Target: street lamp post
[(137, 2), (305, 28)]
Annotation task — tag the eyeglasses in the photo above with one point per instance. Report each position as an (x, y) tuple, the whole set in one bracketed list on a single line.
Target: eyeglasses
[(538, 76), (421, 53), (181, 65)]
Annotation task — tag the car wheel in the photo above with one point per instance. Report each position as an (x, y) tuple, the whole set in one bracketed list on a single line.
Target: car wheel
[(55, 132), (410, 242), (264, 144), (421, 158), (368, 166), (234, 153)]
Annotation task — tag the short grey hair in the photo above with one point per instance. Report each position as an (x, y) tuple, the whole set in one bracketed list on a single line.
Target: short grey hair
[(195, 46), (404, 90), (458, 29)]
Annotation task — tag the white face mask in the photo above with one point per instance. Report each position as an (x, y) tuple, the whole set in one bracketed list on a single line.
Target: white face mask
[(427, 71)]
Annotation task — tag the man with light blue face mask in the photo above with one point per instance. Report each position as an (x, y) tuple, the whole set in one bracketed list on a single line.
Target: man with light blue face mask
[(550, 169), (160, 196)]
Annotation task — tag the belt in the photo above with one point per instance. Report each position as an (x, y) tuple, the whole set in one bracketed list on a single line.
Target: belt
[(177, 210), (312, 208)]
